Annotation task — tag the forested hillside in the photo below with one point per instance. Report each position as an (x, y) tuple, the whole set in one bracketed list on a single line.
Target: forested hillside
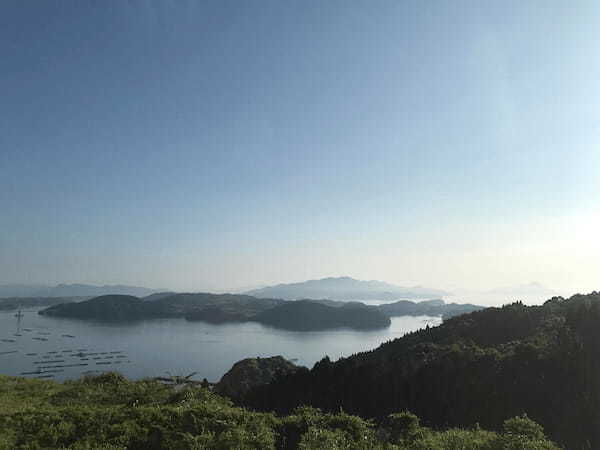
[(110, 413), (479, 367)]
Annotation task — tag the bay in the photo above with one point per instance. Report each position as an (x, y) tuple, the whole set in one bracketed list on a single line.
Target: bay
[(59, 348)]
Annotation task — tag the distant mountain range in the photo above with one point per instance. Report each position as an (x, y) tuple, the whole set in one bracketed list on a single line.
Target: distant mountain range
[(337, 289), (345, 289), (72, 290)]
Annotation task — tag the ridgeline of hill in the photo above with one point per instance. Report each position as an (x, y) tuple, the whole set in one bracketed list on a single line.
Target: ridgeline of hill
[(479, 367), (108, 412)]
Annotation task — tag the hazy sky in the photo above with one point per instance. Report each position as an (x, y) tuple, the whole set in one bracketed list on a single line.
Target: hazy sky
[(208, 145)]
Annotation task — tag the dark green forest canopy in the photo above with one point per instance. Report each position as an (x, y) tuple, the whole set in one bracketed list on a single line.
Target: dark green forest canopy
[(480, 367), (110, 412)]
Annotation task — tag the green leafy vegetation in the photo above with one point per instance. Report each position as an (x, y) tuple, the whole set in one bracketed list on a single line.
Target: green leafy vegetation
[(110, 412)]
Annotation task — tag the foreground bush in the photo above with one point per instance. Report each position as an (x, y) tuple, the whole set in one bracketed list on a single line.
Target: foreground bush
[(109, 412)]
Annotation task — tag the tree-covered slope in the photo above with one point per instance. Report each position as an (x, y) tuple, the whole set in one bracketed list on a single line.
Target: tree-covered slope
[(111, 413), (479, 367)]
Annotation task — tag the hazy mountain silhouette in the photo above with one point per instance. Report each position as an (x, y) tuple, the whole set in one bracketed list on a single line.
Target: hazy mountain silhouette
[(72, 290), (345, 289)]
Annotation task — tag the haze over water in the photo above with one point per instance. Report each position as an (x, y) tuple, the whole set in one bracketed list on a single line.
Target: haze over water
[(154, 347)]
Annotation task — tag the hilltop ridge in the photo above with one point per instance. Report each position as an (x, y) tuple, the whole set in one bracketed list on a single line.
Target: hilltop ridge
[(479, 367)]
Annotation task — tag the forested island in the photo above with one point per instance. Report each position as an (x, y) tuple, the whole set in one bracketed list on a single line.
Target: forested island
[(308, 315), (427, 308), (127, 307), (299, 315)]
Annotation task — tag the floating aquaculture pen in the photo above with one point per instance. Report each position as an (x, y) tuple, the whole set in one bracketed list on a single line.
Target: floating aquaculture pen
[(63, 366)]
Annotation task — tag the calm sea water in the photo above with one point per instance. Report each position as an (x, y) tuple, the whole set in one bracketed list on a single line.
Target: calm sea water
[(61, 348)]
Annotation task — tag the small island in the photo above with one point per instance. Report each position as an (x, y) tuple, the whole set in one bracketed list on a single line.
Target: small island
[(427, 308), (308, 315)]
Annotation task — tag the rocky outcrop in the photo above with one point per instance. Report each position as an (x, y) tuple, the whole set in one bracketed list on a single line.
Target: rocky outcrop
[(252, 372)]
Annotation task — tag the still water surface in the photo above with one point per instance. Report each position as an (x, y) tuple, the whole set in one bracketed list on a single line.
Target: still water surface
[(65, 348)]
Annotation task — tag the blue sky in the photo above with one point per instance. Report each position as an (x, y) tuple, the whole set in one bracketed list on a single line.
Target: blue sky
[(214, 145)]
